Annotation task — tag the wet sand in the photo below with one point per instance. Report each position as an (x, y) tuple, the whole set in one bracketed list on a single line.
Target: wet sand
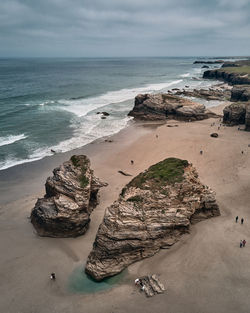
[(205, 272)]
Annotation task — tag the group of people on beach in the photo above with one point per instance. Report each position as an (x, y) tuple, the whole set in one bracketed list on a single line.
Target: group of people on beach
[(242, 242), (241, 221)]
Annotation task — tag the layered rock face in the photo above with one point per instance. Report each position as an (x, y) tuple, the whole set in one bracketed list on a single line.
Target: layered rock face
[(71, 195), (152, 212), (232, 78), (163, 106)]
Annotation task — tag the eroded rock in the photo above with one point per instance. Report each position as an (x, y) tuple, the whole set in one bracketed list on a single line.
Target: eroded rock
[(152, 212), (71, 195), (167, 106), (234, 114)]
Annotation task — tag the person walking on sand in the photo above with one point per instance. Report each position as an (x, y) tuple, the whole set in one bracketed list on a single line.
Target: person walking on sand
[(241, 244), (242, 220), (244, 242), (236, 219), (52, 276)]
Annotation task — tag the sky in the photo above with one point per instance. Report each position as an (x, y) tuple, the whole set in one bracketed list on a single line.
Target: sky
[(108, 28)]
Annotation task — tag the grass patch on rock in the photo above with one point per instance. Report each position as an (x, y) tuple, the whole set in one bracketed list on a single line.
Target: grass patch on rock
[(75, 161), (168, 171), (83, 181), (245, 69), (135, 199)]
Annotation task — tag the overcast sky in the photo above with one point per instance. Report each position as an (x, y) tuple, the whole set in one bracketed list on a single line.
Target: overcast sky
[(124, 27)]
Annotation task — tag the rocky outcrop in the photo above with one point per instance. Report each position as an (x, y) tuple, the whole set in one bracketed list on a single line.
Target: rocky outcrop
[(247, 117), (165, 106), (209, 62), (234, 114), (227, 76), (151, 213), (240, 93), (71, 195), (220, 94)]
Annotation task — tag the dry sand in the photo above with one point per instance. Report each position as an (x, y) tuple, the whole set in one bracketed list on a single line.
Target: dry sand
[(205, 272)]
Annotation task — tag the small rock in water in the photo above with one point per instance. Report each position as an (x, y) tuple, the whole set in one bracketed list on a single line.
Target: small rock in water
[(105, 113)]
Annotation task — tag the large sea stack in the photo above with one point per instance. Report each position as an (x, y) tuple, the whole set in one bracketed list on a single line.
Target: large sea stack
[(152, 212), (71, 195), (165, 106)]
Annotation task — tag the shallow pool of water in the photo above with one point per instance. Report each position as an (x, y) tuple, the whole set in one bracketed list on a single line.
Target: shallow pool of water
[(80, 282)]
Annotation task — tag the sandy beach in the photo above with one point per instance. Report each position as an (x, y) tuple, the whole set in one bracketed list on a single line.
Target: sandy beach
[(205, 272)]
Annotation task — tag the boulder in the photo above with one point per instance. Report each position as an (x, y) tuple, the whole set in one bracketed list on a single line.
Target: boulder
[(152, 212), (214, 135), (240, 93), (234, 114), (205, 66), (71, 195), (163, 106)]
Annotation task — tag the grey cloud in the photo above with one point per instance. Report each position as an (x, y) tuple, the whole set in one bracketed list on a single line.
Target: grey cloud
[(128, 27)]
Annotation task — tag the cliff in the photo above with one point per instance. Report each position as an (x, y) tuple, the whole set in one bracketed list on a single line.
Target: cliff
[(165, 106), (152, 212), (71, 195), (236, 73)]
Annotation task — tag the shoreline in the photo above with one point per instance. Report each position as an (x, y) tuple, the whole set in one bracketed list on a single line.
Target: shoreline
[(204, 265)]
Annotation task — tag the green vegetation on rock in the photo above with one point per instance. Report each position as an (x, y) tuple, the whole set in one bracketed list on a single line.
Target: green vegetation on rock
[(83, 181), (245, 69), (83, 163), (169, 171), (75, 160), (135, 199)]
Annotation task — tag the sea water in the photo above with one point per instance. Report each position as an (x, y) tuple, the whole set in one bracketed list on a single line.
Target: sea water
[(52, 103), (80, 282)]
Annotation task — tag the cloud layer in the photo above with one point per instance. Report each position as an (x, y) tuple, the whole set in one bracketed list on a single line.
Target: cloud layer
[(124, 27)]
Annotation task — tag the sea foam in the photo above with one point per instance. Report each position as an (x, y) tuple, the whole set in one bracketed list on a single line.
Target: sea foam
[(11, 139), (81, 107)]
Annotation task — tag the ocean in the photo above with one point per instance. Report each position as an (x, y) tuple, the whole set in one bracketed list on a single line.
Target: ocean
[(53, 103)]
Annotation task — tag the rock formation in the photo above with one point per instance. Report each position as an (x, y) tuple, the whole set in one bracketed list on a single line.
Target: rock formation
[(71, 194), (163, 106), (209, 62), (232, 78), (208, 94), (235, 73), (234, 114), (151, 213), (240, 93)]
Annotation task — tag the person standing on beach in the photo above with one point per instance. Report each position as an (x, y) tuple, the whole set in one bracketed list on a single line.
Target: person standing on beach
[(241, 244), (242, 220), (236, 219), (244, 242)]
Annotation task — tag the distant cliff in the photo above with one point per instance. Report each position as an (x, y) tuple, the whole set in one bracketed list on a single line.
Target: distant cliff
[(236, 73)]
